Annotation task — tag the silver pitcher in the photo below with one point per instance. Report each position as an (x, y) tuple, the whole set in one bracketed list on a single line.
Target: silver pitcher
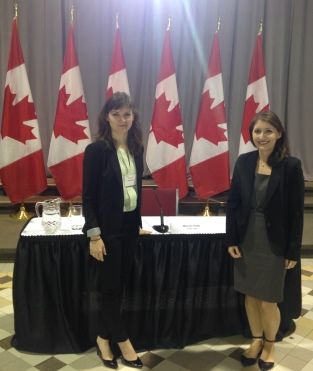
[(51, 214)]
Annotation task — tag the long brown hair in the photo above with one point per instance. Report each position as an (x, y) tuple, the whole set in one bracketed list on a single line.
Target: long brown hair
[(281, 149), (134, 137)]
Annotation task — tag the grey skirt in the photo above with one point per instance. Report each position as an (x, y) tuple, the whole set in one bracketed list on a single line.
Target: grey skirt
[(259, 273)]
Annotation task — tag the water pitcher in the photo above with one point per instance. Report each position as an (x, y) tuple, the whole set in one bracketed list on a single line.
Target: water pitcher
[(51, 215)]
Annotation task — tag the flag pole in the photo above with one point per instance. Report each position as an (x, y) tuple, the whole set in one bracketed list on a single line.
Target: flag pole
[(22, 214), (69, 213)]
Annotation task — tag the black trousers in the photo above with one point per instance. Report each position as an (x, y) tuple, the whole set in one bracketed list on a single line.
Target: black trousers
[(114, 272)]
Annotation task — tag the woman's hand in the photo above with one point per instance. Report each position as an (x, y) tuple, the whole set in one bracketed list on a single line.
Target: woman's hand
[(289, 264), (97, 249), (143, 232), (234, 252)]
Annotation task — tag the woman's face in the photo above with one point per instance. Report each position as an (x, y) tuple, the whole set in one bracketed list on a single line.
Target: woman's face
[(120, 120), (265, 136)]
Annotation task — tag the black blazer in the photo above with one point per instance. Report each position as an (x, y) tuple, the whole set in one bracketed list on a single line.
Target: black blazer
[(283, 207), (103, 197)]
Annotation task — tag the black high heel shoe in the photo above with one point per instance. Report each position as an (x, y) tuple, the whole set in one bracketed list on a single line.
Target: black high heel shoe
[(249, 361), (110, 363), (264, 365), (135, 364)]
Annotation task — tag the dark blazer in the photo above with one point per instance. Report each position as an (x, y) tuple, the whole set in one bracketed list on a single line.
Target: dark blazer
[(103, 197), (283, 206)]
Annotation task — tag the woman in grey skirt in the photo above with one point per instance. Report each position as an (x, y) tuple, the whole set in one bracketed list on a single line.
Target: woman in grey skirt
[(264, 230)]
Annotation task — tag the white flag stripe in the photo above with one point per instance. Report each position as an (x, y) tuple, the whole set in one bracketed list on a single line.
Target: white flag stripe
[(169, 88), (164, 155), (202, 147), (213, 84), (245, 147), (13, 150), (72, 82), (69, 148), (258, 89), (118, 82), (18, 82)]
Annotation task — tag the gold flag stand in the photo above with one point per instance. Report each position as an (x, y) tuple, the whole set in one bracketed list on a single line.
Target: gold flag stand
[(211, 211), (22, 214), (69, 212), (206, 211)]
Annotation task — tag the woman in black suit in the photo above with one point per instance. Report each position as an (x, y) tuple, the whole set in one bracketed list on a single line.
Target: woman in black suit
[(112, 172), (264, 230)]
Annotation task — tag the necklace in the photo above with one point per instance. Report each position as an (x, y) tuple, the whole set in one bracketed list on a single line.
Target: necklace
[(263, 167)]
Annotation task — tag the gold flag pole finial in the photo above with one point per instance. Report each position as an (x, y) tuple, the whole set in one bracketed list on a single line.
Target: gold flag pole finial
[(116, 21), (72, 13), (15, 9), (218, 24), (261, 27), (168, 24)]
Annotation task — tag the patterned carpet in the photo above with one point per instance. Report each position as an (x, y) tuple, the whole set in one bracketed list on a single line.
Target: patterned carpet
[(218, 354)]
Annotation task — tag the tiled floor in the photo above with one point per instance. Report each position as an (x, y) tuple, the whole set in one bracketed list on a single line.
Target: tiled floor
[(293, 353)]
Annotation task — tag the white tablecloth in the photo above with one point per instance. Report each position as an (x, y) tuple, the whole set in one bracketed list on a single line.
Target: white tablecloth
[(187, 224), (177, 225), (34, 228)]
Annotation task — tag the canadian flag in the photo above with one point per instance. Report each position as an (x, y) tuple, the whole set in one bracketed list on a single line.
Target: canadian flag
[(71, 132), (21, 159), (256, 97), (166, 151), (209, 161), (118, 76)]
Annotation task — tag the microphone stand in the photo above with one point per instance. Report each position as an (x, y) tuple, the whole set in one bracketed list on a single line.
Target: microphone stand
[(162, 228)]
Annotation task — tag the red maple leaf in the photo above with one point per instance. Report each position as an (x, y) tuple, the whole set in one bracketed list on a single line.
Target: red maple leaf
[(209, 119), (164, 122), (251, 107), (66, 117), (14, 116)]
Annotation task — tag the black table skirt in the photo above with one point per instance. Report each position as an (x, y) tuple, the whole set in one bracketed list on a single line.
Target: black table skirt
[(180, 291)]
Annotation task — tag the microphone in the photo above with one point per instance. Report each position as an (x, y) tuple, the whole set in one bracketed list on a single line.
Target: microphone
[(162, 228)]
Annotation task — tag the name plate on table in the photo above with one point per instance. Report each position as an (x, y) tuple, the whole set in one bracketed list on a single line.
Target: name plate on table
[(35, 228), (187, 224)]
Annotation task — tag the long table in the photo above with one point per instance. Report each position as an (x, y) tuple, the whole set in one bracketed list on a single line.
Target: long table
[(180, 291)]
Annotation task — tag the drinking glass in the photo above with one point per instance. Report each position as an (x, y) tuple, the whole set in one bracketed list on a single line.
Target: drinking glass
[(76, 216)]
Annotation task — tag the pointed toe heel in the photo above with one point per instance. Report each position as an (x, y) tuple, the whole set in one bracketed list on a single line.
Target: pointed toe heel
[(110, 363), (135, 364), (264, 366), (250, 361), (247, 361)]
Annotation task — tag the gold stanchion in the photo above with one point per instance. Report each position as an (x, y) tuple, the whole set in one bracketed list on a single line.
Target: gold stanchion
[(69, 212), (206, 211), (22, 214)]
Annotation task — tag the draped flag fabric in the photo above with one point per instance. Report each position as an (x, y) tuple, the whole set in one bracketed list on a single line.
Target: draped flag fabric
[(256, 97), (118, 76), (22, 169), (209, 161), (71, 132), (166, 151)]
